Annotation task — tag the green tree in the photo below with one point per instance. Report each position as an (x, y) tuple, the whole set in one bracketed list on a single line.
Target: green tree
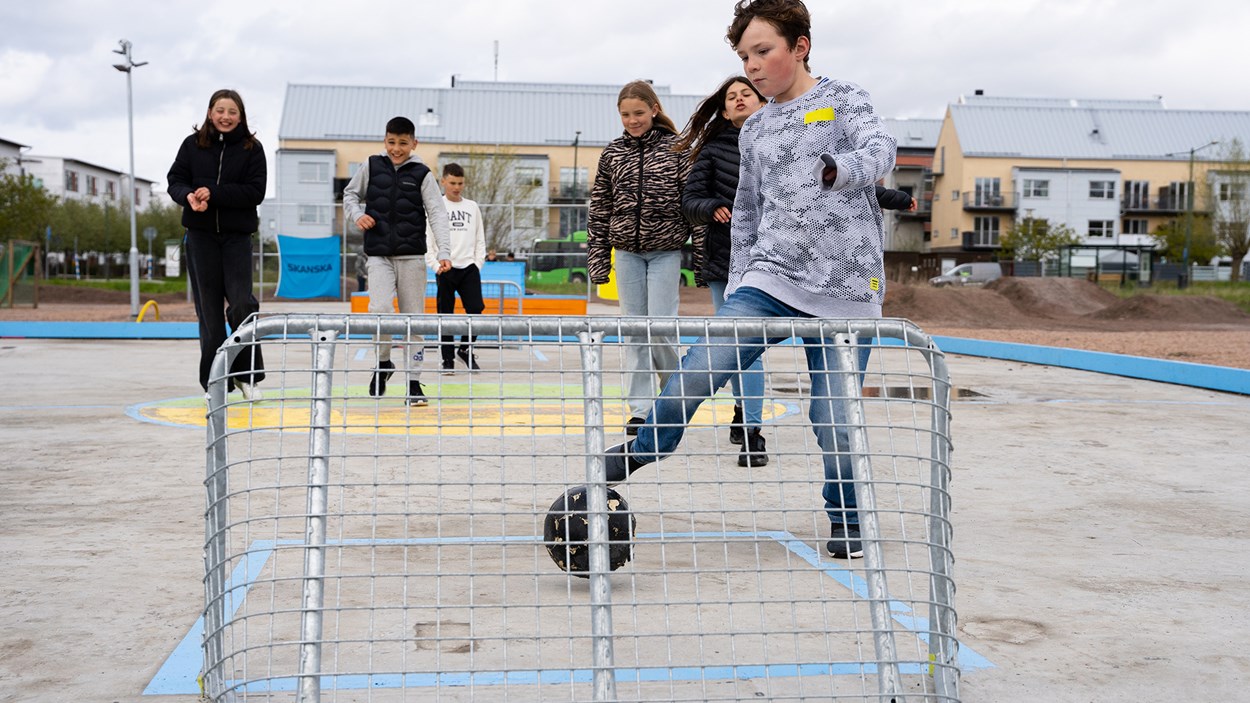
[(1230, 206), (25, 208), (1170, 240), (1036, 239)]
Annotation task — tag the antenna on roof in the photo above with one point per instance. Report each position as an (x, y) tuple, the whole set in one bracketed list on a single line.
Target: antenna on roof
[(496, 60)]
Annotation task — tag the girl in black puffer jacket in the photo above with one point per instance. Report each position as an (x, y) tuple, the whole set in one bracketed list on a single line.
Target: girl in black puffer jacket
[(712, 138), (219, 179)]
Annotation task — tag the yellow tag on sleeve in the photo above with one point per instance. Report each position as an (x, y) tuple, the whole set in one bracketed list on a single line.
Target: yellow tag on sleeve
[(874, 284), (824, 114)]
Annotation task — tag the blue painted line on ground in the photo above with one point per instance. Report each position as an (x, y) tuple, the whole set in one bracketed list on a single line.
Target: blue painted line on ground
[(1217, 378), (101, 330), (177, 676)]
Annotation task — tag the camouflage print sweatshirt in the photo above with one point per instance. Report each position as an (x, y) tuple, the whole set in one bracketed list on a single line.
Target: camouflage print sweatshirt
[(635, 204), (814, 246)]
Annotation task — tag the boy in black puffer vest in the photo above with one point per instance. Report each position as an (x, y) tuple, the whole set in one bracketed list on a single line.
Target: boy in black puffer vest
[(391, 198)]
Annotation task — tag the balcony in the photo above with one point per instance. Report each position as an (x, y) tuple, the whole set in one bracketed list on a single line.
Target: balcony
[(990, 202), (980, 241), (1162, 205), (566, 193)]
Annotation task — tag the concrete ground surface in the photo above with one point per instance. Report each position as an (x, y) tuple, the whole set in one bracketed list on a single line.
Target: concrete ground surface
[(1101, 536)]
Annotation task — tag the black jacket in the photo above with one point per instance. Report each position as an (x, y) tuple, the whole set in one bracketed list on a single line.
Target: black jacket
[(890, 199), (393, 199), (712, 184), (234, 175)]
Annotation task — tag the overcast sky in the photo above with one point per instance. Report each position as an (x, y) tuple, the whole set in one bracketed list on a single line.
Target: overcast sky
[(60, 95)]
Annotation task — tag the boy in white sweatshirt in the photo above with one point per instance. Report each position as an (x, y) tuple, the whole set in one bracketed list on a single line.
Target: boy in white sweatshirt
[(468, 255)]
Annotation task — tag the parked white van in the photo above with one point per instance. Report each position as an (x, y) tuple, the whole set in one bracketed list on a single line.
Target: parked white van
[(977, 273)]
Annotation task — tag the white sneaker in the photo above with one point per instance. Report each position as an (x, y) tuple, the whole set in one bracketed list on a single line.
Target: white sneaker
[(249, 390)]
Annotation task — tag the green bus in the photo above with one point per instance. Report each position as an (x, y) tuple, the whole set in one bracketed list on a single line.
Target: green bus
[(564, 261)]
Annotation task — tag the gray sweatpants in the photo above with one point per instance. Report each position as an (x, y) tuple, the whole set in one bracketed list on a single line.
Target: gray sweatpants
[(401, 277)]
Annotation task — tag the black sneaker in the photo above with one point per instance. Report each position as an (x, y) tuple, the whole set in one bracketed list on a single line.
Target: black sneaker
[(377, 387), (619, 463), (416, 395), (844, 542), (631, 427), (735, 427), (752, 453), (468, 359), (449, 367)]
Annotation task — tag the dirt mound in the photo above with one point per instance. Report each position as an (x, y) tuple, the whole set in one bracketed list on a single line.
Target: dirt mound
[(87, 295), (1173, 308), (1053, 297), (948, 306)]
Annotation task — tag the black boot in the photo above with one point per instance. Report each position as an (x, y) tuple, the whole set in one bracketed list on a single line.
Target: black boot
[(735, 425), (753, 449)]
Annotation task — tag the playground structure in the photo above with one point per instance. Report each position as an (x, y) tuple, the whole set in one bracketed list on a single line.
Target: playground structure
[(19, 273)]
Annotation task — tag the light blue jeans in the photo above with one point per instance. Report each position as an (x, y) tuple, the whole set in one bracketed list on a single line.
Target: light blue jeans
[(647, 285), (748, 386), (706, 368)]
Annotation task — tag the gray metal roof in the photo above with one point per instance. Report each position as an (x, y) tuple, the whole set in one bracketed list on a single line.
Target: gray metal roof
[(470, 113), (1092, 133), (1103, 103), (914, 134)]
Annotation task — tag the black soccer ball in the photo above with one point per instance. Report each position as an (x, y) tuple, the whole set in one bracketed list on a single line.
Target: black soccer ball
[(566, 529)]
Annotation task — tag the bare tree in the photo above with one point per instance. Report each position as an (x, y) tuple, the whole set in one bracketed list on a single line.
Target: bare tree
[(511, 196), (1231, 203)]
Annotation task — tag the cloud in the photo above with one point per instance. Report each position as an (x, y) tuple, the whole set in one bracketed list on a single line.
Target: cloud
[(22, 77)]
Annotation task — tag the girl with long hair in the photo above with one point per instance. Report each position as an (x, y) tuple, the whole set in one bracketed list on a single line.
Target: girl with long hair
[(635, 208)]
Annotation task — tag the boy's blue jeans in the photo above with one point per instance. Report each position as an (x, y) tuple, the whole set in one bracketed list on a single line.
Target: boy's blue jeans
[(749, 385), (706, 368)]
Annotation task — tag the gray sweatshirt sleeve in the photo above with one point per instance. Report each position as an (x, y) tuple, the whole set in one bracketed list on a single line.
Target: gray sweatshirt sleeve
[(436, 216), (354, 194)]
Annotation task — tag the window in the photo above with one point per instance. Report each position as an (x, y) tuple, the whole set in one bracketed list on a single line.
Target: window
[(954, 233), (531, 176), (572, 219), (1102, 228), (1102, 190), (529, 217), (314, 215), (1136, 226), (1137, 195), (574, 185), (314, 172), (71, 181), (93, 185), (1232, 192), (1179, 192), (110, 190), (989, 192), (1034, 188), (985, 231)]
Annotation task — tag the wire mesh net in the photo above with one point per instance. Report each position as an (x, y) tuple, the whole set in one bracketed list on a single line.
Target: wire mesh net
[(368, 548)]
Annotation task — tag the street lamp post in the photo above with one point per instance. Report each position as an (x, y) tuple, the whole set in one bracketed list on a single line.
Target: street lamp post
[(1189, 203), (128, 68), (577, 138)]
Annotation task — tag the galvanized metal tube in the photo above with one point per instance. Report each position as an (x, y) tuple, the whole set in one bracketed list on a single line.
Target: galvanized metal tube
[(315, 523)]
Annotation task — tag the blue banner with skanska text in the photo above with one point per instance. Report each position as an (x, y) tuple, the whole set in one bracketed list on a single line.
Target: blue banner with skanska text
[(310, 268)]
